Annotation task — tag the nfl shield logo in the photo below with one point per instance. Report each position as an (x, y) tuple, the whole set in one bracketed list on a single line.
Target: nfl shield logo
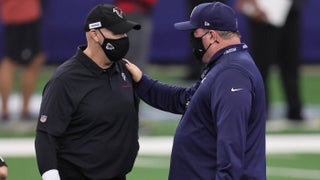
[(43, 118)]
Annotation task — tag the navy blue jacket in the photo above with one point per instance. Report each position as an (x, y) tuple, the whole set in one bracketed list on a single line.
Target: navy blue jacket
[(222, 131)]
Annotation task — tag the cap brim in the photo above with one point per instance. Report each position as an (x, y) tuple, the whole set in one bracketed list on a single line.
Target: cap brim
[(184, 26), (124, 27)]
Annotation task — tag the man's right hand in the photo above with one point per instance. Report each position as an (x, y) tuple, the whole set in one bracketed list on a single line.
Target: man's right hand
[(3, 172), (134, 70), (3, 169)]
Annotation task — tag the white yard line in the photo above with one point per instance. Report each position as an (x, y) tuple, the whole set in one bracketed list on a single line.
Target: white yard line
[(302, 143), (276, 144)]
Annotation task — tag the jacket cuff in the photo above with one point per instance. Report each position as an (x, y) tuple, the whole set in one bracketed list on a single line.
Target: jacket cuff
[(51, 174)]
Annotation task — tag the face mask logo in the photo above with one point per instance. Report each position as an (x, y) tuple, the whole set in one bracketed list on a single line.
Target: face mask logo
[(109, 47)]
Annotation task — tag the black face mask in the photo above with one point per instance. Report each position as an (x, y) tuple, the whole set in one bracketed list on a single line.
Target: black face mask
[(198, 49), (115, 49)]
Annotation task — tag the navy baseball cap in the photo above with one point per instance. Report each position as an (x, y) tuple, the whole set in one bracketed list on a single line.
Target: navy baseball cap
[(215, 15), (110, 17)]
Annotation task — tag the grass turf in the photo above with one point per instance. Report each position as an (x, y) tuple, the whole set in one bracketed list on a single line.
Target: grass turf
[(173, 74), (279, 167), (156, 167)]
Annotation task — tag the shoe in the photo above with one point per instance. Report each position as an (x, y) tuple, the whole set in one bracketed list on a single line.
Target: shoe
[(295, 117)]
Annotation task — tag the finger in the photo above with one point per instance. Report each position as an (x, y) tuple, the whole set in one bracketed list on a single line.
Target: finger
[(125, 61)]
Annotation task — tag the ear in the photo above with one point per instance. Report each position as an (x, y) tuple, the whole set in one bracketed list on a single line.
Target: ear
[(214, 36), (94, 35)]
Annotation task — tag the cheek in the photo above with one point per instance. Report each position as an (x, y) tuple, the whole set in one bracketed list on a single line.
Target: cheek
[(208, 40), (206, 43)]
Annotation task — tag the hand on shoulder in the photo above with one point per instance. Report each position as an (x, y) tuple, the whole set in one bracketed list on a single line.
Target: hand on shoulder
[(134, 70)]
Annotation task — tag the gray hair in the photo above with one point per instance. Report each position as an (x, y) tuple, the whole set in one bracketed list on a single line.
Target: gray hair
[(229, 34)]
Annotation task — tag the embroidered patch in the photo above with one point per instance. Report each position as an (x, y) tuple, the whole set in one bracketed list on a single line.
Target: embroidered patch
[(95, 25)]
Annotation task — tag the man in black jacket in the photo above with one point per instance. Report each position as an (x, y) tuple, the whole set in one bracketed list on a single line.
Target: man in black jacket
[(88, 121)]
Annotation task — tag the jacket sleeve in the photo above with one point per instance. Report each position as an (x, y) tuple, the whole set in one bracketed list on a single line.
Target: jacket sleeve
[(45, 146), (162, 96), (234, 96)]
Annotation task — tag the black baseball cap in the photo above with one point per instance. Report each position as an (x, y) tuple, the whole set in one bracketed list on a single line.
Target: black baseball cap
[(109, 17), (214, 15)]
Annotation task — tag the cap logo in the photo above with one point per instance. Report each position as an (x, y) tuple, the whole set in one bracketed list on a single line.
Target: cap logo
[(95, 25), (109, 47), (118, 11), (206, 23)]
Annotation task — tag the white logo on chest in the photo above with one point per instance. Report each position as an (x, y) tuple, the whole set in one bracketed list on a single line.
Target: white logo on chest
[(236, 89)]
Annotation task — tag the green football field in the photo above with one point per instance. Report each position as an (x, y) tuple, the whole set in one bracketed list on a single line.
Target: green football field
[(279, 167)]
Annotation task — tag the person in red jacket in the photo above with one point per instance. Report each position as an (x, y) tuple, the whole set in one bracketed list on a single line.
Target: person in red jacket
[(21, 20), (141, 12)]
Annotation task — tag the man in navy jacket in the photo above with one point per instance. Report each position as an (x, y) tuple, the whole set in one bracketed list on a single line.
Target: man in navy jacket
[(222, 131)]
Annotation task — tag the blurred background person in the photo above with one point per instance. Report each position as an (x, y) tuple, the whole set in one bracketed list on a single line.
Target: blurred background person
[(21, 22), (280, 46), (139, 11)]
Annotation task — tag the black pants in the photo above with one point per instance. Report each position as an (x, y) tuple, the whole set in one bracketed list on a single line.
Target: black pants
[(280, 46)]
